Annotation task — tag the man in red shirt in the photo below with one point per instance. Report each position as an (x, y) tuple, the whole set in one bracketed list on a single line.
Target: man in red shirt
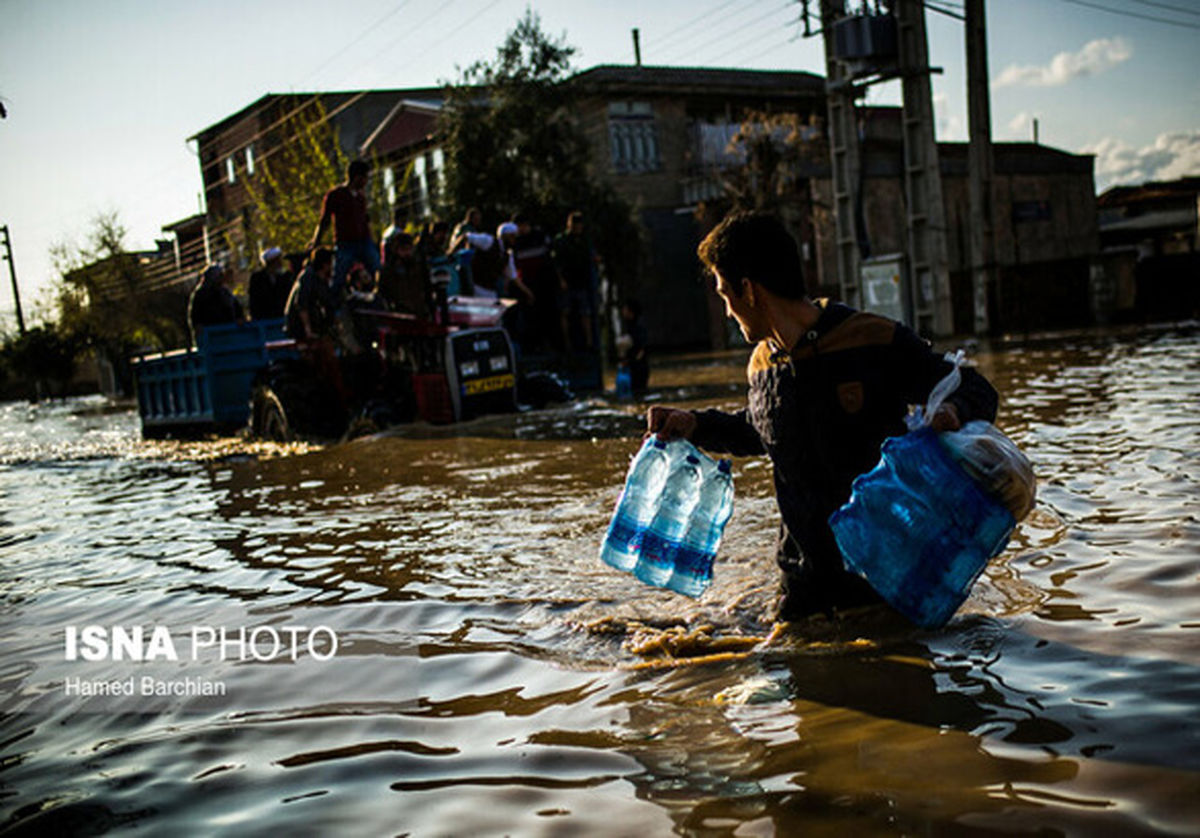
[(346, 204)]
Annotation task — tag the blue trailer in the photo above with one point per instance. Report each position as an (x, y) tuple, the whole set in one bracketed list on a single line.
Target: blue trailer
[(207, 388), (250, 375)]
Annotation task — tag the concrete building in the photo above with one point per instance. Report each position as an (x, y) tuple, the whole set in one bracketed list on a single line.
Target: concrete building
[(1150, 240), (662, 138), (1045, 226)]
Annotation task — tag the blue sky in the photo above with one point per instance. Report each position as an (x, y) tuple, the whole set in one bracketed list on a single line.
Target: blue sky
[(102, 96)]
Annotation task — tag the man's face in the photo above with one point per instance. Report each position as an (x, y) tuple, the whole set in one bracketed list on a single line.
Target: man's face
[(325, 272), (358, 182), (737, 306), (576, 227)]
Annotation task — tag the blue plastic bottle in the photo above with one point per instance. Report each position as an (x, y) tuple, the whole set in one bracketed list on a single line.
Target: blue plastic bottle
[(637, 504), (919, 529), (624, 382), (660, 541), (698, 547)]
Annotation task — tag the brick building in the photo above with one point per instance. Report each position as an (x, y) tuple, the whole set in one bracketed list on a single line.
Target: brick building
[(661, 136)]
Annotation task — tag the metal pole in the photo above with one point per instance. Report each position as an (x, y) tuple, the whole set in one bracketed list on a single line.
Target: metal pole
[(980, 164), (923, 177), (12, 273), (844, 157)]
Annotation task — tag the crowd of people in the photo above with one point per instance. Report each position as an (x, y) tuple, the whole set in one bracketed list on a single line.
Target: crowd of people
[(552, 279)]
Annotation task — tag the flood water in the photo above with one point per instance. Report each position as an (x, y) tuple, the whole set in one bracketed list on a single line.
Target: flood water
[(492, 677)]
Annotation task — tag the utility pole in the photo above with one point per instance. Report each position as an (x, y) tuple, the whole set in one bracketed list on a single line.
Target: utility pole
[(844, 156), (980, 164), (928, 262), (12, 273)]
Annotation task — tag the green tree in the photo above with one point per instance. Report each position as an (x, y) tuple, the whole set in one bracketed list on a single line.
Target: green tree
[(302, 161), (513, 143), (104, 301), (44, 358), (778, 152)]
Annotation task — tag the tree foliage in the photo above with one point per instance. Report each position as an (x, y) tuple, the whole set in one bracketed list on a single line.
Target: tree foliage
[(513, 143), (303, 159), (44, 357), (102, 295), (777, 152)]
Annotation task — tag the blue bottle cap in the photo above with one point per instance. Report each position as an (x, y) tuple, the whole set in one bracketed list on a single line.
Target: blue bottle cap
[(658, 443), (691, 458), (725, 466)]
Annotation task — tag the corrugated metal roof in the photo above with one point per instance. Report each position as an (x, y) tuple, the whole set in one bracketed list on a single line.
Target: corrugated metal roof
[(715, 79)]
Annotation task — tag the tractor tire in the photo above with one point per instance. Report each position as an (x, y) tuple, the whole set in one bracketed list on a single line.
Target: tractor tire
[(269, 418)]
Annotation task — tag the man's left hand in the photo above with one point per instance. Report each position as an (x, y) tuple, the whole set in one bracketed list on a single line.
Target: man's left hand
[(946, 418)]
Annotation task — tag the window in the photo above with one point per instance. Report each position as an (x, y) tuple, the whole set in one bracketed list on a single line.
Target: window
[(230, 170), (389, 184), (423, 207), (250, 159), (438, 165), (633, 137)]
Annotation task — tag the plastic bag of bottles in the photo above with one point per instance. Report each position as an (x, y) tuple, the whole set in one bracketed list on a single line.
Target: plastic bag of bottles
[(996, 463), (922, 524), (669, 519), (919, 529)]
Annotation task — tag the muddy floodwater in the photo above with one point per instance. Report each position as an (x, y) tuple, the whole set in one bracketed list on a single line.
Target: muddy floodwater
[(437, 650)]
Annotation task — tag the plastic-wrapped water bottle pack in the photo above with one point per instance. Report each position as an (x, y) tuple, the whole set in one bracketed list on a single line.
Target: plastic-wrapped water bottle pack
[(669, 519), (922, 524)]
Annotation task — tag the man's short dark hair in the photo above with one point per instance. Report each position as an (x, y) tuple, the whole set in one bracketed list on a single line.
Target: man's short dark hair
[(356, 168), (756, 246), (321, 257)]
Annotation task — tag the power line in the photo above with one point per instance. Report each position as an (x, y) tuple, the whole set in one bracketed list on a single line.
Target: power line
[(669, 36), (477, 18), (760, 53), (1168, 21), (1181, 9), (725, 35), (741, 46), (687, 45), (354, 41), (956, 12), (441, 7)]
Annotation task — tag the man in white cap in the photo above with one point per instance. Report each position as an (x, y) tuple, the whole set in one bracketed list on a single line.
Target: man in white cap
[(270, 286), (493, 266)]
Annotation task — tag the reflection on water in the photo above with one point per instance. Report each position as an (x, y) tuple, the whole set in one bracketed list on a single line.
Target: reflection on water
[(485, 683)]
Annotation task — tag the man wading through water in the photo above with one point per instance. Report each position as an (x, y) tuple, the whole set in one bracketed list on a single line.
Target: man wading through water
[(827, 385)]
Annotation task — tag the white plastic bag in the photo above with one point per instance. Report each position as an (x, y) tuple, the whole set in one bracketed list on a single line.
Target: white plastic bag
[(992, 460), (923, 416), (995, 463)]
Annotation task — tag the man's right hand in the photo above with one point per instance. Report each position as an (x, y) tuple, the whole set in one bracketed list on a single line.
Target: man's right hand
[(670, 423)]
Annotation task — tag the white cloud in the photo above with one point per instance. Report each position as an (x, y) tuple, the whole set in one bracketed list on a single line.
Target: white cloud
[(950, 126), (1020, 127), (1171, 156), (1095, 57)]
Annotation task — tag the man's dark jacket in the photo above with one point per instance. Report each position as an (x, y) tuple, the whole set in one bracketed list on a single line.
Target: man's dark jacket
[(821, 413)]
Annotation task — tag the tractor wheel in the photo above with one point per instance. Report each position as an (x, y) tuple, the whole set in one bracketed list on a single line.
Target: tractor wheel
[(269, 417)]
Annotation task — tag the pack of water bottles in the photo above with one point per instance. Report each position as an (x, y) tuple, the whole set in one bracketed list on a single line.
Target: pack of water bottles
[(922, 524), (669, 519)]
